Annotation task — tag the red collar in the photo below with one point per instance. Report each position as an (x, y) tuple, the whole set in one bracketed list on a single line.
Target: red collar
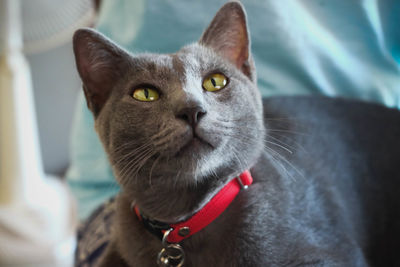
[(203, 217)]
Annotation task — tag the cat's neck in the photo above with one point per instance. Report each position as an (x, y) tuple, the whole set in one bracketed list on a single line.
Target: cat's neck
[(175, 204)]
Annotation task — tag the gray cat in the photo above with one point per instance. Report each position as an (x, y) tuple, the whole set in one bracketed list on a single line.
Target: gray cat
[(177, 128)]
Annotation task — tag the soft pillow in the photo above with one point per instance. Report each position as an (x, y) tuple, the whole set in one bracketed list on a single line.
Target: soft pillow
[(336, 48)]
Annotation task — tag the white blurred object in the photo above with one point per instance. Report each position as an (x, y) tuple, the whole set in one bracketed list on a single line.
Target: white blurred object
[(37, 215), (50, 23)]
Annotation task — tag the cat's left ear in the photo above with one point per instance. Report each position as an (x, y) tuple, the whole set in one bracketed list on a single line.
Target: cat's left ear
[(228, 35)]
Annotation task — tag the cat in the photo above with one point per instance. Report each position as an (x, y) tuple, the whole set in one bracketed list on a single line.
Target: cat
[(178, 128)]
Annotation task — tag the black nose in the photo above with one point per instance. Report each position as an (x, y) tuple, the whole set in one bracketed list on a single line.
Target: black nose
[(191, 115)]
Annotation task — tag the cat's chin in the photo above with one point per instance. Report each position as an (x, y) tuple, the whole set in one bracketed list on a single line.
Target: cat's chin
[(194, 147), (192, 164)]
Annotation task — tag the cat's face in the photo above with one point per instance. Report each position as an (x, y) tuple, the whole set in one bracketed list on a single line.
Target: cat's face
[(180, 118)]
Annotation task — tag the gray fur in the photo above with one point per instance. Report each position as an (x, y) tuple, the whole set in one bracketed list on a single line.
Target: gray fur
[(324, 169)]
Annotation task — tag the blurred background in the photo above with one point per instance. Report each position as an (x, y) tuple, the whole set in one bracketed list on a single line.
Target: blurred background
[(38, 91), (47, 29)]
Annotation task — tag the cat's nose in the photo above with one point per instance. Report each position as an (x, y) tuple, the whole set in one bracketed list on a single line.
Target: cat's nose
[(191, 115)]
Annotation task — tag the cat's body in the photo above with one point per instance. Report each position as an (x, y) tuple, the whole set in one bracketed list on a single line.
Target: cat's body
[(340, 210), (325, 171)]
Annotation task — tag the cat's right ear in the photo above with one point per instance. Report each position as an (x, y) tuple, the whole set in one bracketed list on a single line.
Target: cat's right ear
[(100, 64)]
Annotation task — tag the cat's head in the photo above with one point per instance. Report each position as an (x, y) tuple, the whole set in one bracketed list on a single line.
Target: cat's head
[(176, 119)]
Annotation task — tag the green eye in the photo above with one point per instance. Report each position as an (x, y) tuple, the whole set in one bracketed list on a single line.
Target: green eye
[(215, 82), (146, 94)]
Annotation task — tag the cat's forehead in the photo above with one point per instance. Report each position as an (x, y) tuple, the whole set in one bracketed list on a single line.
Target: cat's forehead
[(189, 59), (198, 57), (154, 62), (156, 69)]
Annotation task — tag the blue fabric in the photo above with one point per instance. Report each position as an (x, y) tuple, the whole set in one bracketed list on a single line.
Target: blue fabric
[(89, 176), (336, 48)]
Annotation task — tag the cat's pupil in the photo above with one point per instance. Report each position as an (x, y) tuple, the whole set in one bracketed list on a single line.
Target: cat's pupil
[(146, 93), (213, 82)]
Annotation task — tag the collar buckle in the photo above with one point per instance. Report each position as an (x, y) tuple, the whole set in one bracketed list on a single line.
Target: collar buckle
[(244, 179), (242, 186)]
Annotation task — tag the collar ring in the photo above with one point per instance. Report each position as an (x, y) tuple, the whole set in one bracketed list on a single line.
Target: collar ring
[(164, 240)]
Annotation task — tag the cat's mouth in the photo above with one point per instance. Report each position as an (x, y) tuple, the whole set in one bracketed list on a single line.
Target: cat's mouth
[(194, 145)]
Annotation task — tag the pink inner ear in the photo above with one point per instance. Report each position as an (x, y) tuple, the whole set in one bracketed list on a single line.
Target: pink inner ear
[(233, 46), (239, 53), (227, 34)]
